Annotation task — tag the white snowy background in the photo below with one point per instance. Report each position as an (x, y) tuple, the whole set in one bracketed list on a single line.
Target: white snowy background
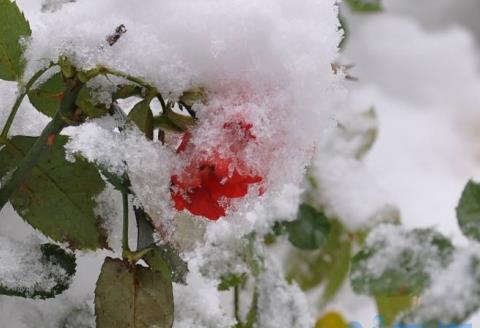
[(417, 64)]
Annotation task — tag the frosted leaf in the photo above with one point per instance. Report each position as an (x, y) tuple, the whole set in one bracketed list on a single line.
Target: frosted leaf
[(25, 270), (454, 293), (396, 261), (109, 207)]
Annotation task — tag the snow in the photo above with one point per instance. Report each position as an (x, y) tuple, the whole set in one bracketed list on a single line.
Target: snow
[(420, 75), (200, 306), (281, 304)]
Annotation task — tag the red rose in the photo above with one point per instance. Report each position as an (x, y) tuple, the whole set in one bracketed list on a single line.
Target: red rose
[(209, 181)]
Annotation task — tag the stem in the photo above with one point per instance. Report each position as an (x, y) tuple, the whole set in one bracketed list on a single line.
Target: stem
[(129, 77), (18, 101), (125, 247), (236, 303), (162, 103), (41, 146)]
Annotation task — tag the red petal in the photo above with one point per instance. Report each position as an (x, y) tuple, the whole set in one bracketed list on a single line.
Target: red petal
[(203, 204)]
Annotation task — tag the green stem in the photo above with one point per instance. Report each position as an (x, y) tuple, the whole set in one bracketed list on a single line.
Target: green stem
[(125, 247), (128, 77), (41, 147), (18, 101), (236, 304)]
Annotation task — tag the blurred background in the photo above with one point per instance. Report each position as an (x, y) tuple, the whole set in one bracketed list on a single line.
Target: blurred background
[(416, 62)]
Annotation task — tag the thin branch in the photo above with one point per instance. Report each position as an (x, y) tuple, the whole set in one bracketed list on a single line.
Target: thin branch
[(18, 101), (128, 77), (125, 247), (236, 303)]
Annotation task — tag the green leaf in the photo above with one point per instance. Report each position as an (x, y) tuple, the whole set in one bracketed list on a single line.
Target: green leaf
[(132, 296), (142, 116), (174, 122), (127, 90), (389, 307), (329, 265), (403, 268), (13, 27), (365, 6), (53, 260), (56, 255), (57, 197), (47, 97), (164, 258), (192, 96), (89, 105), (231, 280), (468, 211), (310, 230)]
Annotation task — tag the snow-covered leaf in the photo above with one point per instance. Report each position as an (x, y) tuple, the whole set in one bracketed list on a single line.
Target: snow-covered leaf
[(88, 103), (57, 196), (468, 211), (452, 297), (165, 256), (35, 272), (310, 230), (13, 28), (132, 296), (397, 261)]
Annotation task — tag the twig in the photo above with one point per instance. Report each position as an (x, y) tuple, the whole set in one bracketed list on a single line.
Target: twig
[(119, 31)]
